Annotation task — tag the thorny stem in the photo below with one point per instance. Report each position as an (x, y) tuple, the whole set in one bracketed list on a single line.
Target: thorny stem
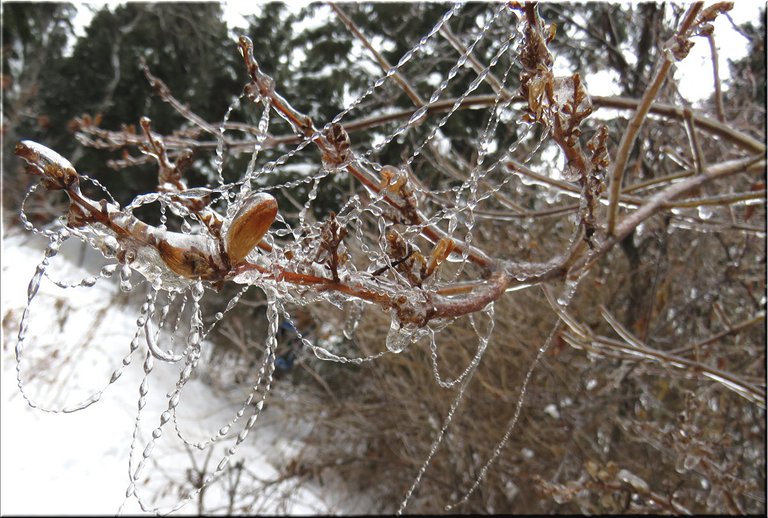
[(630, 134)]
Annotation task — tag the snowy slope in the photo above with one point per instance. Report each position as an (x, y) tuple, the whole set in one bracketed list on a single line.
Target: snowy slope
[(77, 463)]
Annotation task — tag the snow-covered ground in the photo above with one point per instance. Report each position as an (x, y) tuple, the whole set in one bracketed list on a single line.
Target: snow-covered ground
[(77, 463)]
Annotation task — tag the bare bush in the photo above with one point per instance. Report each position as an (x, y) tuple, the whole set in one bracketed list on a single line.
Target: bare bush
[(515, 304)]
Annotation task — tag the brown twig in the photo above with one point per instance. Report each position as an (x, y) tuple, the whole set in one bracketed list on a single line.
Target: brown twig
[(660, 199), (716, 74), (304, 125), (696, 151), (381, 60), (118, 139), (633, 128)]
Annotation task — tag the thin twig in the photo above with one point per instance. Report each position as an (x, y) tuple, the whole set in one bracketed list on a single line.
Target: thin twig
[(696, 151), (631, 133), (478, 67), (716, 74), (658, 201), (118, 139), (303, 125), (385, 65), (732, 329)]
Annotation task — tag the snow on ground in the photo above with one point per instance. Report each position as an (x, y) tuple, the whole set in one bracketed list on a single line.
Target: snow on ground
[(77, 463)]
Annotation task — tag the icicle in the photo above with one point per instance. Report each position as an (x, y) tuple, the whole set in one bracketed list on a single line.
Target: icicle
[(220, 140), (484, 337), (32, 290), (125, 279), (436, 443), (518, 408), (271, 343), (398, 337), (353, 319)]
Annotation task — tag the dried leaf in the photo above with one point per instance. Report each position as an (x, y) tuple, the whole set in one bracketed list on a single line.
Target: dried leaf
[(249, 225)]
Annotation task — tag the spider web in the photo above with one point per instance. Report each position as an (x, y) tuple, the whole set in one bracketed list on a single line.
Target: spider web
[(172, 305)]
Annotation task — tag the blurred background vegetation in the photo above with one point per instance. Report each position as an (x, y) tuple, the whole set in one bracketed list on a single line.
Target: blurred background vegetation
[(590, 419)]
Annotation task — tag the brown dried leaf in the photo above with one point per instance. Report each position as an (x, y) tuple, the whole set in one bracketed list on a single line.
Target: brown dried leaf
[(249, 225)]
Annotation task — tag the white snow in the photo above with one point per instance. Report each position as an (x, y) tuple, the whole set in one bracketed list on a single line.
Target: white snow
[(77, 463)]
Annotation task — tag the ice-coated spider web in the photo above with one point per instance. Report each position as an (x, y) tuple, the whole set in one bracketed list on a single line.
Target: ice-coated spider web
[(171, 327)]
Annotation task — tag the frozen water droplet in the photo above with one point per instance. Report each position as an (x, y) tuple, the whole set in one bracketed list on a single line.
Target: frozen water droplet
[(335, 299), (571, 174), (705, 211), (108, 270), (633, 480), (197, 291), (353, 319), (148, 449), (325, 354), (691, 461), (108, 246), (194, 337), (34, 283), (53, 248), (552, 411), (398, 337), (186, 228), (680, 464), (125, 278)]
